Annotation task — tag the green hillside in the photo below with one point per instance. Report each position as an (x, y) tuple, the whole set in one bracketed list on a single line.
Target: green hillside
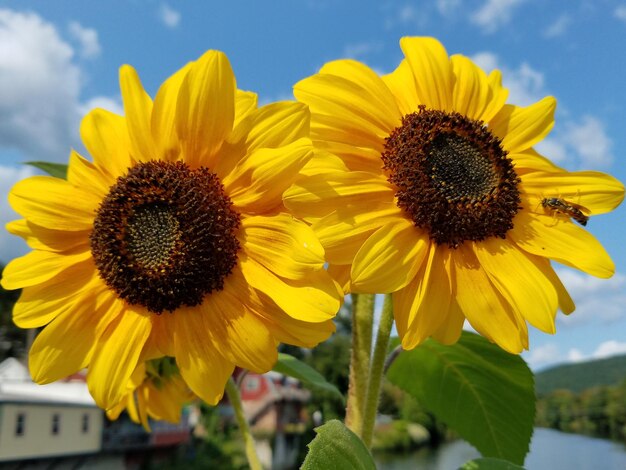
[(581, 376)]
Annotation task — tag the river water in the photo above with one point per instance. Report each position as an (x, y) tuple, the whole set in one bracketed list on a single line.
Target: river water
[(549, 450)]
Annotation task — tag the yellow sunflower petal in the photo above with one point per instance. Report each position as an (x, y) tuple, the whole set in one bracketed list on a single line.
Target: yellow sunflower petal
[(138, 111), (341, 274), (81, 172), (521, 128), (151, 349), (499, 94), (351, 91), (116, 411), (520, 281), (352, 157), (450, 330), (37, 267), (41, 238), (343, 232), (529, 160), (562, 241), (314, 301), (291, 331), (595, 192), (283, 244), (116, 355), (259, 181), (105, 136), (323, 162), (205, 110), (277, 124), (380, 102), (471, 94), (332, 122), (163, 118), (167, 402), (142, 408), (245, 103), (322, 194), (282, 327), (481, 303), (342, 130), (162, 334), (402, 85), (422, 306), (41, 303), (54, 203), (566, 304), (133, 408), (242, 337), (389, 259), (203, 368), (432, 70), (66, 345)]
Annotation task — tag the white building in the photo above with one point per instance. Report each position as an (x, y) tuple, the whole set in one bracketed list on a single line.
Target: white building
[(59, 426), (45, 421)]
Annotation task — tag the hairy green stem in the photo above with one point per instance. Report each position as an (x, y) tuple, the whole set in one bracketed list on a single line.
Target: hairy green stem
[(377, 371), (235, 401), (362, 323)]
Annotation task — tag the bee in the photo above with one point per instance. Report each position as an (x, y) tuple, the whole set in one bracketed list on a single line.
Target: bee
[(568, 208)]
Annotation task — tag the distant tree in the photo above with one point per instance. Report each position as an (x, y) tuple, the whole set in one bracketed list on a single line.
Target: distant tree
[(598, 411)]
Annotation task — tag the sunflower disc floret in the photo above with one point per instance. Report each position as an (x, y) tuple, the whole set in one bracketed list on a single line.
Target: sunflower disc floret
[(165, 236), (454, 179)]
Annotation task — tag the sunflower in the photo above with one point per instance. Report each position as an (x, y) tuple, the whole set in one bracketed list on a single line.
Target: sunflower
[(155, 390), (443, 201), (173, 241)]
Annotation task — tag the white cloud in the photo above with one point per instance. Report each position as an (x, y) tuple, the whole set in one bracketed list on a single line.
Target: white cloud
[(494, 14), (549, 354), (87, 38), (582, 144), (447, 7), (542, 355), (407, 14), (596, 299), (620, 12), (588, 137), (608, 349), (36, 68), (558, 27), (487, 61), (553, 148), (104, 102), (526, 85), (169, 16), (575, 355), (361, 49), (10, 245), (40, 85)]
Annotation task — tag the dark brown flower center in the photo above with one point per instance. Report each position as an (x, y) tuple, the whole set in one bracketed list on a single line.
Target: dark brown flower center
[(453, 177), (165, 236)]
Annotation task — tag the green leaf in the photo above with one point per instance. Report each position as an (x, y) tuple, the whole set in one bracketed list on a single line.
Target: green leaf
[(310, 378), (336, 447), (489, 464), (57, 170), (482, 392)]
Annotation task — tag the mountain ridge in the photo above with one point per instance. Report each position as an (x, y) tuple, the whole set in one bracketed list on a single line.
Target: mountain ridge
[(580, 376)]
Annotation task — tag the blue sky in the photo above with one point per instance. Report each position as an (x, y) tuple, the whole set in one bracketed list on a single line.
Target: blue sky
[(59, 59)]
